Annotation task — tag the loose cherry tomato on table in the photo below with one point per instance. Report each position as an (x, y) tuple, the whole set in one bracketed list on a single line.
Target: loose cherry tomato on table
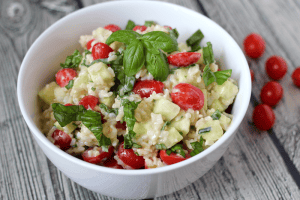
[(252, 75), (187, 96), (61, 139), (184, 59), (147, 87), (64, 76), (129, 158), (276, 67), (89, 102), (172, 158), (112, 163), (101, 50), (141, 28), (296, 76), (254, 45), (89, 44), (263, 117), (112, 27), (97, 158), (271, 93)]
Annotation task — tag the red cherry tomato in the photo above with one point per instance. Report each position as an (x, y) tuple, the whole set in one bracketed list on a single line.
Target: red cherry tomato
[(254, 45), (141, 28), (276, 67), (68, 104), (271, 93), (187, 96), (96, 159), (101, 50), (121, 126), (172, 158), (130, 158), (252, 75), (263, 117), (63, 76), (112, 163), (112, 27), (61, 139), (184, 59), (169, 27), (89, 102), (89, 44), (296, 77), (147, 87)]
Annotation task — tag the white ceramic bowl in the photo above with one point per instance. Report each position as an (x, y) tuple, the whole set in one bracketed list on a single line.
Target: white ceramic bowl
[(59, 40)]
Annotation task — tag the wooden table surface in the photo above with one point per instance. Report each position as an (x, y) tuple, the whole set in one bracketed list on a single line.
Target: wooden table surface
[(257, 165)]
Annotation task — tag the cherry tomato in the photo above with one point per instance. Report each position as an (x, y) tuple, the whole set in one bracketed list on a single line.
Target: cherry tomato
[(263, 117), (187, 96), (172, 158), (184, 59), (296, 77), (68, 104), (252, 75), (121, 126), (96, 159), (89, 44), (147, 87), (112, 27), (254, 45), (169, 27), (63, 76), (112, 163), (276, 67), (89, 102), (141, 28), (271, 93), (61, 139), (101, 50), (130, 158)]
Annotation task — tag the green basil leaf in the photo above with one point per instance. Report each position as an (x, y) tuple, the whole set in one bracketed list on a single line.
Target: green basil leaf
[(149, 23), (118, 61), (127, 84), (204, 130), (222, 76), (66, 114), (157, 65), (70, 84), (134, 58), (106, 109), (216, 115), (125, 36), (165, 124), (169, 152), (174, 33), (159, 40), (177, 148), (135, 145), (195, 47), (208, 55), (73, 60), (208, 76), (195, 39), (197, 146), (128, 108), (128, 143), (161, 147), (130, 25), (93, 89)]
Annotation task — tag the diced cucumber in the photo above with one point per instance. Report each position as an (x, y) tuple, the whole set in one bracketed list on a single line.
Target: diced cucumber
[(47, 93), (141, 128), (200, 61), (173, 138), (166, 108), (214, 134), (82, 80), (205, 99), (225, 122), (182, 125), (100, 74), (108, 101), (217, 105), (227, 90), (69, 128)]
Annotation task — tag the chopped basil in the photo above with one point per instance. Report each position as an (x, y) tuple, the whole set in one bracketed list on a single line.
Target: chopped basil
[(197, 146), (161, 147), (174, 33), (216, 115), (194, 40), (177, 148), (126, 84), (73, 60), (157, 65), (222, 76), (135, 145), (204, 130), (93, 89), (165, 124), (149, 23), (181, 133), (130, 25), (208, 54), (136, 153), (219, 77), (70, 84), (106, 109)]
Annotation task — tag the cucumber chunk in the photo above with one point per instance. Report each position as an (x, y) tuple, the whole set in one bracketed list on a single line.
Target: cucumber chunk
[(141, 128), (214, 134), (69, 128), (47, 93), (224, 122), (100, 74), (173, 138), (166, 108), (182, 125)]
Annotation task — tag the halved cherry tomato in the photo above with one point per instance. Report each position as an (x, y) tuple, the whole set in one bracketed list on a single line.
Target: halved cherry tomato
[(112, 27), (89, 102), (271, 93), (296, 77), (147, 87), (254, 45), (112, 163), (263, 117), (184, 59), (101, 50), (187, 96), (63, 76), (276, 67), (169, 27), (89, 44), (141, 28), (96, 159), (130, 158), (68, 104), (252, 75), (121, 126), (172, 158), (62, 139)]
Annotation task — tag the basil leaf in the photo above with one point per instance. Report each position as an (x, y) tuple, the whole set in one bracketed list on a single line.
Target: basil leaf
[(161, 147), (216, 115), (73, 60), (222, 76), (177, 148), (157, 65), (197, 146), (194, 40), (125, 36), (118, 61), (174, 33), (93, 89), (135, 145), (106, 109), (70, 84), (134, 58), (208, 76), (127, 85), (66, 114), (128, 143), (165, 124), (195, 47), (86, 52), (149, 23), (208, 55), (204, 130), (159, 40), (130, 25)]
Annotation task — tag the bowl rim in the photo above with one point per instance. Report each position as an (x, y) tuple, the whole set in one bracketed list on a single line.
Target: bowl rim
[(39, 135)]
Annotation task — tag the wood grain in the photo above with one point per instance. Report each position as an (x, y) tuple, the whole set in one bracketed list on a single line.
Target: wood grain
[(251, 168)]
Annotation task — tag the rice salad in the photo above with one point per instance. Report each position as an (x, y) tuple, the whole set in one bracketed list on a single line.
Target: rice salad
[(138, 99)]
